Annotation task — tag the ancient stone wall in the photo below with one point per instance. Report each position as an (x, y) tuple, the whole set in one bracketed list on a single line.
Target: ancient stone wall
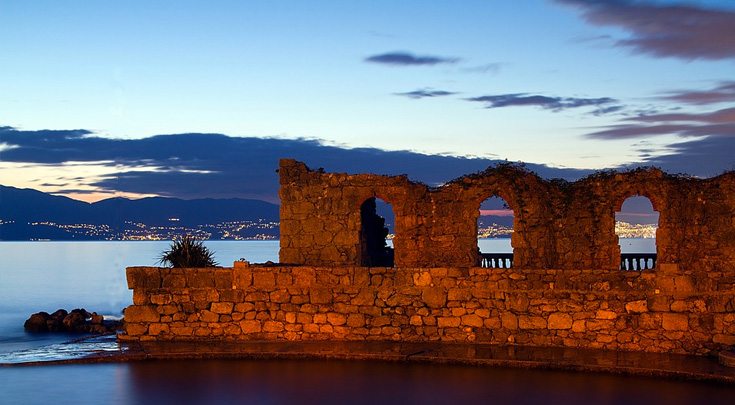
[(558, 224), (564, 289), (667, 310)]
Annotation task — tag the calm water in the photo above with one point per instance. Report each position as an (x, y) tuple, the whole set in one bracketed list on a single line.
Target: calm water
[(44, 276)]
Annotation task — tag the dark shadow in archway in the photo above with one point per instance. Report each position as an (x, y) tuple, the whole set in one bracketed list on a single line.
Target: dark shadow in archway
[(374, 248)]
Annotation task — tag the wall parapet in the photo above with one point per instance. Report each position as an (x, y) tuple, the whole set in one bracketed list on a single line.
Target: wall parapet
[(669, 310)]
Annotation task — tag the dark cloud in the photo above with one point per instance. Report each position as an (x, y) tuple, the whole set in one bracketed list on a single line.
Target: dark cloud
[(703, 157), (555, 104), (723, 93), (423, 93), (716, 123), (408, 59), (216, 165), (670, 30)]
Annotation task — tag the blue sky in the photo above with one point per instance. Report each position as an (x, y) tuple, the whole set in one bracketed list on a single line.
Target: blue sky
[(563, 83)]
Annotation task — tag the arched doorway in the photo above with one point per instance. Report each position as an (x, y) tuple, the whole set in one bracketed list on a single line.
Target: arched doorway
[(494, 231), (635, 225), (375, 233)]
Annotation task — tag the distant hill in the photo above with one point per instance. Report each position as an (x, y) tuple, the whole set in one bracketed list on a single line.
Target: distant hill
[(21, 211)]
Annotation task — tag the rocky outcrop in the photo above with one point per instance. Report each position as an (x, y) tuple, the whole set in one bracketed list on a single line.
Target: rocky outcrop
[(76, 321)]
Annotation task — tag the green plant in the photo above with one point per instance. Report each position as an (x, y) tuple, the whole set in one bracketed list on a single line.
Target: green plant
[(188, 252)]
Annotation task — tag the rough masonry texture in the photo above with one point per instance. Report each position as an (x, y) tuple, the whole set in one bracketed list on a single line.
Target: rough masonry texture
[(565, 287)]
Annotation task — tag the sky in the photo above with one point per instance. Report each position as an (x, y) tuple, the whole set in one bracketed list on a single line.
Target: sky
[(182, 98)]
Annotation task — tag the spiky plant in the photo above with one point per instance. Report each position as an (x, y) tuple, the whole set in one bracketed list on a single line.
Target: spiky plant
[(187, 252)]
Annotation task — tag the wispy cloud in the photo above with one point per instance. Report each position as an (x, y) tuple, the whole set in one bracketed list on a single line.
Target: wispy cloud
[(424, 93), (723, 93), (491, 68), (715, 123), (409, 59), (670, 30), (604, 104)]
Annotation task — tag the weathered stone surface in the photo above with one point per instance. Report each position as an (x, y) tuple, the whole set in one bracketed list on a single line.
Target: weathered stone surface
[(531, 322), (141, 313), (434, 297), (675, 322), (222, 307), (564, 288), (636, 307), (559, 320)]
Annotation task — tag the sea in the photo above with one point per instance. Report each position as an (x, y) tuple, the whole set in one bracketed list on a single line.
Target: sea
[(45, 276)]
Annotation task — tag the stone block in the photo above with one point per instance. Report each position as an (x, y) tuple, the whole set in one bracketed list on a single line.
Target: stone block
[(144, 278), (250, 326), (182, 330), (208, 316), (366, 296), (336, 319), (448, 322), (223, 278), (355, 320), (636, 307), (560, 320), (156, 329), (459, 294), (579, 326), (242, 277), (136, 329), (200, 278), (605, 314), (422, 279), (659, 303), (434, 297), (264, 279), (272, 326), (531, 322), (508, 320), (320, 296), (222, 307), (472, 320), (675, 322), (141, 313)]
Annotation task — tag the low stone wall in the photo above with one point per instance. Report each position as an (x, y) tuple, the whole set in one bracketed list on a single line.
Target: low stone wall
[(663, 311)]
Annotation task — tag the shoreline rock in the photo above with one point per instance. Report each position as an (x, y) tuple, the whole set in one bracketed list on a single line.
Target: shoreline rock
[(78, 320)]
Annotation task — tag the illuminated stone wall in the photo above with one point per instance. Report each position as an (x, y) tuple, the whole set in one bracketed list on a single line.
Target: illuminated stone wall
[(565, 288), (658, 311), (558, 224)]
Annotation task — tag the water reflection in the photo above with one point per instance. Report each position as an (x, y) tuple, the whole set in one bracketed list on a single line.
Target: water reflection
[(342, 382)]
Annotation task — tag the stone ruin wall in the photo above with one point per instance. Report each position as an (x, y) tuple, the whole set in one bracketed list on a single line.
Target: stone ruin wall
[(558, 224), (656, 311), (565, 288)]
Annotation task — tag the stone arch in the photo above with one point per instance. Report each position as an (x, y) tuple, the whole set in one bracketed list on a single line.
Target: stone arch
[(495, 256), (638, 256), (652, 184), (373, 249)]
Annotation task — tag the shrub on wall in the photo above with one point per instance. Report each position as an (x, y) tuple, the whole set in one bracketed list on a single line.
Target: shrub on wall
[(188, 252)]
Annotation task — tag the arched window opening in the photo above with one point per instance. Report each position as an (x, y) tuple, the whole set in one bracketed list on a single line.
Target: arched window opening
[(376, 233), (494, 230), (635, 225)]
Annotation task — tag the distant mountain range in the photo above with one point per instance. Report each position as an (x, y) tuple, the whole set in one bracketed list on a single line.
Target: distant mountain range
[(27, 214)]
